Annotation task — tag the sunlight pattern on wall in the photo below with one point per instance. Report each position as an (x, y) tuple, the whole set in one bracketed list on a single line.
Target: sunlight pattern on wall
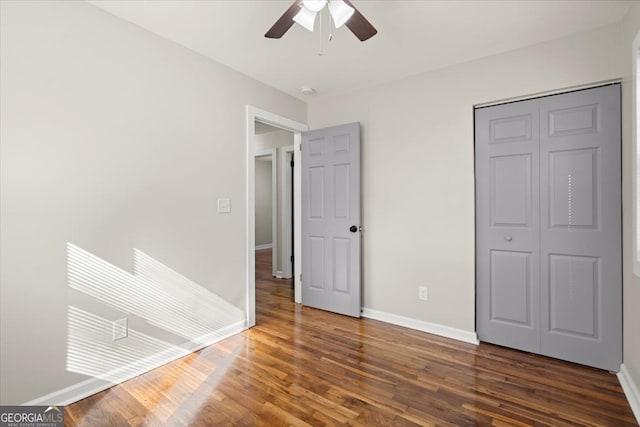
[(203, 310), (154, 294), (91, 350), (161, 296)]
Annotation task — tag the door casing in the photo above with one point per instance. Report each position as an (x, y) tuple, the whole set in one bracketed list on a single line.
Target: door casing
[(254, 115)]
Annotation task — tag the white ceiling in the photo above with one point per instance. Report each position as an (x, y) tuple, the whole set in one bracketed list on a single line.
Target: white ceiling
[(413, 36)]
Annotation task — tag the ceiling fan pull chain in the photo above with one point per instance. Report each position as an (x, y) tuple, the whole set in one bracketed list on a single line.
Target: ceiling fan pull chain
[(332, 25)]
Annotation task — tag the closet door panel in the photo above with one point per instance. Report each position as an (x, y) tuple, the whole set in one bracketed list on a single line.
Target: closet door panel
[(507, 225), (581, 284)]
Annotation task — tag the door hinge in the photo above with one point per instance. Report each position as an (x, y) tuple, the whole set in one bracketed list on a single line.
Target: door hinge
[(291, 163), (301, 277), (291, 258), (300, 147)]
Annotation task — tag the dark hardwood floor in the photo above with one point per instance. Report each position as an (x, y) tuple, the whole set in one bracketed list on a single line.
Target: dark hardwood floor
[(301, 366)]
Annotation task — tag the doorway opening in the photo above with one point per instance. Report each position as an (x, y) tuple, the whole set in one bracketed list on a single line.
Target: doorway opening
[(274, 196), (277, 139), (266, 227)]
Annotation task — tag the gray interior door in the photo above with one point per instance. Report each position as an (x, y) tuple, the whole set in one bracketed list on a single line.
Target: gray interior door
[(581, 267), (508, 225), (548, 226), (331, 219)]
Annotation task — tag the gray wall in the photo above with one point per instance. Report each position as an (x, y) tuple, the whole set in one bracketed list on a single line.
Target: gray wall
[(263, 203), (112, 139)]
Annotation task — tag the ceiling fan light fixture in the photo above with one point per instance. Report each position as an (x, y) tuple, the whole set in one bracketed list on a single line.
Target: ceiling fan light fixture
[(314, 5), (340, 12), (307, 90), (306, 18), (304, 12)]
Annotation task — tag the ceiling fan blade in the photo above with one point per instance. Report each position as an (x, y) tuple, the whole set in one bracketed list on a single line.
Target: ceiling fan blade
[(359, 25), (285, 22)]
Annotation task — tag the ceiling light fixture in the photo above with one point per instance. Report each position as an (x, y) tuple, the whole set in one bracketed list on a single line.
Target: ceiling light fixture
[(304, 12), (340, 12), (307, 90), (314, 5), (306, 18)]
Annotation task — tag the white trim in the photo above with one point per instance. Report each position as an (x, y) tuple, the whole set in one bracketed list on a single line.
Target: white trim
[(272, 152), (297, 217), (265, 246), (285, 209), (255, 114), (547, 93), (631, 390), (421, 325), (92, 386), (251, 219), (635, 154)]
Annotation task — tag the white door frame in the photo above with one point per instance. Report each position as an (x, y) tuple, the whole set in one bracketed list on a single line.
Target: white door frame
[(255, 114), (285, 209)]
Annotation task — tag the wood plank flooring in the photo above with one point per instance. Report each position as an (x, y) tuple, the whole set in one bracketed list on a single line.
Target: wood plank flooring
[(301, 366)]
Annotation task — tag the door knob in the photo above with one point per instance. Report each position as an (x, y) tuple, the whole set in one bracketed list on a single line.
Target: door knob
[(508, 238), (353, 229)]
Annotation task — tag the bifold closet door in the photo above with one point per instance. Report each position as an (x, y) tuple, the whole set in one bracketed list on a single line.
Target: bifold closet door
[(581, 247), (548, 226), (508, 225)]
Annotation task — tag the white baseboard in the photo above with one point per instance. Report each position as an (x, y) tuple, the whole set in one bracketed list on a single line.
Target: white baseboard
[(266, 246), (420, 325), (631, 390), (281, 275), (92, 386)]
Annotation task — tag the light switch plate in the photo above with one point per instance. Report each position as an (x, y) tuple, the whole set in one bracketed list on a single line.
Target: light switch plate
[(224, 205)]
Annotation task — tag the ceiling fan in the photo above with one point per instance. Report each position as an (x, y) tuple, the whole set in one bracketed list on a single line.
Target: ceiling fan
[(304, 12)]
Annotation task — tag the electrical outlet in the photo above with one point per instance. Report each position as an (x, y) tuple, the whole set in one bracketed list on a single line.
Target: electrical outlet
[(224, 205), (120, 329), (422, 293)]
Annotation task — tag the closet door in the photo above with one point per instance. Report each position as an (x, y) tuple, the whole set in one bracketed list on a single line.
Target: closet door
[(548, 226), (508, 225), (581, 284)]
